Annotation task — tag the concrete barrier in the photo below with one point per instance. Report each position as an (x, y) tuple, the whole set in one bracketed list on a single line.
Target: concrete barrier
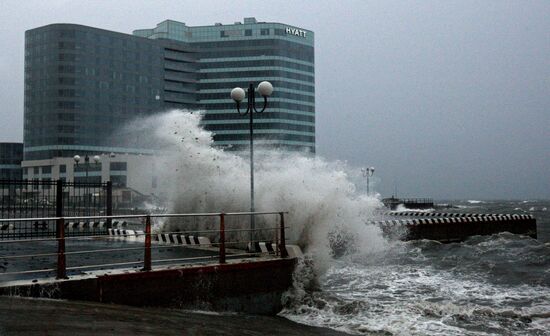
[(294, 251), (5, 227), (267, 247), (162, 238), (446, 214)]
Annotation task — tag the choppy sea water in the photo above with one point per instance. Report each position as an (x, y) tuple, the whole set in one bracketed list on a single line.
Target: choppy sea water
[(491, 285)]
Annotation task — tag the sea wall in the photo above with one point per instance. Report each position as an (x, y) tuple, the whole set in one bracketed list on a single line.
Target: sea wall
[(247, 286)]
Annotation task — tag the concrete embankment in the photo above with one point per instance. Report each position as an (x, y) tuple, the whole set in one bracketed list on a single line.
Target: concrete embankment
[(241, 285), (25, 316)]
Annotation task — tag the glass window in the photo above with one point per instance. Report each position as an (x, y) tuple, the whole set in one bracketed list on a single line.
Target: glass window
[(248, 32), (118, 181), (118, 166), (90, 166), (89, 179)]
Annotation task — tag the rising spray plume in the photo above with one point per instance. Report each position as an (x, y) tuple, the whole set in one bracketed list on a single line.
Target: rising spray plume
[(318, 195)]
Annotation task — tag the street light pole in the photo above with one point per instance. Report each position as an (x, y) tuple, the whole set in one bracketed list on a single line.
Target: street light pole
[(237, 94), (368, 172)]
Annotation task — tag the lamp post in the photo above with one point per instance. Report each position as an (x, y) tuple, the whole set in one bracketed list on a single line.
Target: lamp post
[(265, 89), (367, 172), (96, 159)]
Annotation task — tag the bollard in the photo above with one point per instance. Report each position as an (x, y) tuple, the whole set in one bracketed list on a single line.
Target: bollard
[(282, 243), (222, 238), (147, 252), (60, 235)]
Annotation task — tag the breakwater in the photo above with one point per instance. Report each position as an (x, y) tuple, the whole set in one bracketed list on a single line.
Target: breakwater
[(451, 227)]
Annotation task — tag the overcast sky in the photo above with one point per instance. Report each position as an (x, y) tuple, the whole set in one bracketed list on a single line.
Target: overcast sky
[(446, 99)]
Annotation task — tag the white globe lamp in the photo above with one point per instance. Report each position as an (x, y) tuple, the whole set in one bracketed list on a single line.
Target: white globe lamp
[(265, 88), (237, 94)]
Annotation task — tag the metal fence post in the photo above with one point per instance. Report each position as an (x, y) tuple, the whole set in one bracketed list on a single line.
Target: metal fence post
[(60, 235), (282, 243), (147, 252), (222, 238), (109, 202), (59, 199)]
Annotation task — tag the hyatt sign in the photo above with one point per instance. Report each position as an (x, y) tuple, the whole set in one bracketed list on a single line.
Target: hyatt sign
[(295, 31)]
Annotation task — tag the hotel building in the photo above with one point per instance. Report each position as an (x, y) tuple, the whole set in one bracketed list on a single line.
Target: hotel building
[(83, 84)]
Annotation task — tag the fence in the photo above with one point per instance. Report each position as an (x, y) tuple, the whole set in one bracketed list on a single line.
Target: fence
[(47, 198), (219, 236)]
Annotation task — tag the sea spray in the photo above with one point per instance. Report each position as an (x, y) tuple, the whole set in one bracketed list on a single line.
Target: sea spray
[(318, 195)]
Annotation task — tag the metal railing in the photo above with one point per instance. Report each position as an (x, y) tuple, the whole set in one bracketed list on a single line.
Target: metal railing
[(60, 240)]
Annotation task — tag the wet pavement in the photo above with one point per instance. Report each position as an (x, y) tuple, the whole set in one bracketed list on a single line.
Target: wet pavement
[(118, 251), (24, 316)]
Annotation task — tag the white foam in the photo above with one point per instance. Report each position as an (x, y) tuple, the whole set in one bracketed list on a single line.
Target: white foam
[(317, 194), (402, 208)]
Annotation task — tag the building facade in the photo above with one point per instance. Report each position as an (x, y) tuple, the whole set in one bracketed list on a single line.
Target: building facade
[(250, 52), (83, 84), (11, 155), (135, 171)]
